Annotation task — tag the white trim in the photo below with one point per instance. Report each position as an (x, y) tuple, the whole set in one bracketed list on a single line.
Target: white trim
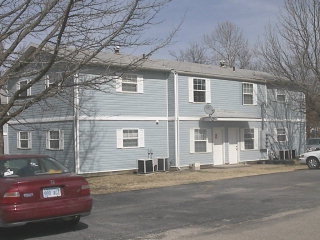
[(208, 140), (119, 135), (190, 89), (176, 117), (29, 139), (119, 138), (255, 139), (61, 140), (28, 89), (145, 118), (208, 91), (192, 149), (139, 83), (255, 94), (76, 125)]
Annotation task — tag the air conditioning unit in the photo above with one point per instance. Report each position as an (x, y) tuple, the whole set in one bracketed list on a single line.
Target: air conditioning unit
[(287, 154), (163, 164), (145, 166)]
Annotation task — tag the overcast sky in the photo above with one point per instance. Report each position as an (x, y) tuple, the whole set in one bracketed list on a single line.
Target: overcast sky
[(202, 16)]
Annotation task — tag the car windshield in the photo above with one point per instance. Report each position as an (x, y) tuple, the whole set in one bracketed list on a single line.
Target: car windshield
[(26, 167), (313, 141)]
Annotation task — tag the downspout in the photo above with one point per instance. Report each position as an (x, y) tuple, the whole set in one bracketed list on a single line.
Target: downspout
[(76, 124), (176, 118)]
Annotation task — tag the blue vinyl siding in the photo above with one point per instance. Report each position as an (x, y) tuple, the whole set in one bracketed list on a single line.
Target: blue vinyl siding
[(186, 157), (226, 95), (98, 145), (152, 102), (166, 123), (65, 156), (59, 106)]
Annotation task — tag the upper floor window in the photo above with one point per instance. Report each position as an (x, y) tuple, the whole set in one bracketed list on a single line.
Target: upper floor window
[(24, 140), (199, 90), (26, 92), (53, 78), (55, 140), (130, 83), (249, 91), (130, 138), (281, 96), (199, 140)]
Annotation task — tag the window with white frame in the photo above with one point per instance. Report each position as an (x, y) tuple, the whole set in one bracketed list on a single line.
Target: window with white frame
[(26, 92), (24, 140), (249, 91), (281, 96), (131, 83), (281, 134), (130, 138), (199, 90), (55, 140), (248, 136), (53, 78), (200, 140)]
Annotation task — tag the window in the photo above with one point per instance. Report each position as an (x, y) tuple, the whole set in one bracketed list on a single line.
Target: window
[(249, 91), (130, 138), (27, 91), (55, 140), (200, 140), (130, 83), (24, 140), (30, 166), (52, 78), (199, 90), (281, 134), (281, 96), (248, 138)]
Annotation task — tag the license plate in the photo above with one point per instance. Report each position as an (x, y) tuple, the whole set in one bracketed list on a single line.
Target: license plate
[(51, 192)]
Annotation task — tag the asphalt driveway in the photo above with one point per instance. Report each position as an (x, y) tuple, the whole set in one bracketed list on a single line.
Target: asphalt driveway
[(188, 211)]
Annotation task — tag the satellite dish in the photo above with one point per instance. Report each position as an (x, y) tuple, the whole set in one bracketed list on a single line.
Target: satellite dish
[(209, 109)]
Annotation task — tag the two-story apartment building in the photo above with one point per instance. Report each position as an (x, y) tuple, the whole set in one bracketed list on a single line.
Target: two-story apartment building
[(185, 112)]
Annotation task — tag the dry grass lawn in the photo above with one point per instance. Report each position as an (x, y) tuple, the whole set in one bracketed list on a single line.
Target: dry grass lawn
[(130, 181)]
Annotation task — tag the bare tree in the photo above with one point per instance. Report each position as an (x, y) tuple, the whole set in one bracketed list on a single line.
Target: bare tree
[(195, 53), (291, 49), (68, 34), (228, 44)]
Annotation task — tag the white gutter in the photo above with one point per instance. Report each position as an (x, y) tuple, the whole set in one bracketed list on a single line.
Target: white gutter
[(76, 125), (176, 118)]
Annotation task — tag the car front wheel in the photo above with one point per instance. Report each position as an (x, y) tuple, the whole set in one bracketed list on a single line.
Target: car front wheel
[(313, 163)]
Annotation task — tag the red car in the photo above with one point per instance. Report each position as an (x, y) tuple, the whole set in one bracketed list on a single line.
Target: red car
[(38, 188)]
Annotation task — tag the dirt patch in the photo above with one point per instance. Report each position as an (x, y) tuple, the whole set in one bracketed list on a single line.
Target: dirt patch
[(129, 181)]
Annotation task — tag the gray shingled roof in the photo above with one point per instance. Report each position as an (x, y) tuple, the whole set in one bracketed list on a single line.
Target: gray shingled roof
[(183, 68)]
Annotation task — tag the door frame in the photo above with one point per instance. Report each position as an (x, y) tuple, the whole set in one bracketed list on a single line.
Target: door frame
[(223, 155), (237, 143)]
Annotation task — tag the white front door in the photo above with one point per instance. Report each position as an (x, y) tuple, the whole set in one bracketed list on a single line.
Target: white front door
[(233, 138), (218, 147)]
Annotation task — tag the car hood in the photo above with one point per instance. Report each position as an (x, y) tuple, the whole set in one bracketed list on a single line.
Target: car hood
[(312, 153)]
